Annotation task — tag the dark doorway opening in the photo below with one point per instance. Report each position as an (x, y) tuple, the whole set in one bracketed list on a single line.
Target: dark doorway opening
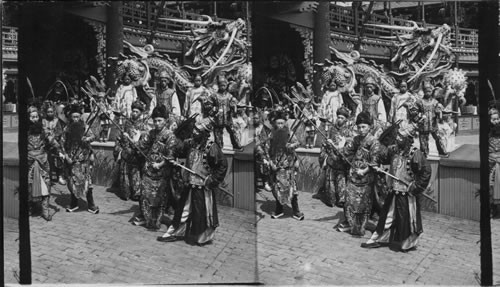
[(278, 54)]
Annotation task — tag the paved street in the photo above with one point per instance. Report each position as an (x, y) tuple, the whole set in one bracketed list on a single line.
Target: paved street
[(311, 252), (107, 248)]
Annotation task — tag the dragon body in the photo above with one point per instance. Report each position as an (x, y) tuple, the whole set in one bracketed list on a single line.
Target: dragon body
[(215, 49)]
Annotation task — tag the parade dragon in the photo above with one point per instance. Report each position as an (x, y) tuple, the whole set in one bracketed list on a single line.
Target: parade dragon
[(218, 46), (420, 53)]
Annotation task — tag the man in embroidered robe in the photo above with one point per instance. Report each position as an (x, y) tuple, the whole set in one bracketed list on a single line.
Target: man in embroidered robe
[(158, 146), (334, 167), (284, 165), (39, 183), (363, 152), (129, 165), (197, 220), (400, 222), (79, 158)]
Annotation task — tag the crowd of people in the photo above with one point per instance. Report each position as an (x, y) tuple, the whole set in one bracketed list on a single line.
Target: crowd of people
[(154, 135), (369, 164)]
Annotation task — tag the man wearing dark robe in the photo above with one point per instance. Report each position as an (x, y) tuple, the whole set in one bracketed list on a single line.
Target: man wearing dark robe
[(400, 222)]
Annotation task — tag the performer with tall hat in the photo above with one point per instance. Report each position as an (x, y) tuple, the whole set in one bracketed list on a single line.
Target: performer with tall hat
[(79, 158), (362, 152), (158, 145), (198, 218), (400, 221), (284, 165)]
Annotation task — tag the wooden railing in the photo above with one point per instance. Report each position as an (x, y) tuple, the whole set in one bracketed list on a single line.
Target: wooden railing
[(342, 21), (143, 15), (9, 37)]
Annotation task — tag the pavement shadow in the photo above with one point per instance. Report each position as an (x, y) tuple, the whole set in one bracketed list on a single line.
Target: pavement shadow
[(268, 206), (339, 215), (63, 200)]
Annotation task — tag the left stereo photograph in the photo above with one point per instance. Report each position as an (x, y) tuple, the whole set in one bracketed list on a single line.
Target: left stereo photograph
[(127, 153)]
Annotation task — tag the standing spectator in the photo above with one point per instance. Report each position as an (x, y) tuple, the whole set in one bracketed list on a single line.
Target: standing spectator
[(432, 110), (224, 118), (397, 111), (125, 96), (192, 105), (166, 95), (372, 103)]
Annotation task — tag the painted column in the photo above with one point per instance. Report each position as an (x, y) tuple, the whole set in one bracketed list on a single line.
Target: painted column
[(114, 38), (321, 41)]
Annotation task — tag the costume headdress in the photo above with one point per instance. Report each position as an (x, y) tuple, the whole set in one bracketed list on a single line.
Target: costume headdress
[(343, 111), (73, 108), (369, 80), (138, 105), (185, 128), (32, 109), (209, 104), (160, 111), (94, 88), (279, 115), (164, 74), (364, 118), (408, 131), (205, 125)]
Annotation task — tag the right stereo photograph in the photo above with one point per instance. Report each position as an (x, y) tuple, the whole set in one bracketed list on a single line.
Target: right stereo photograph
[(368, 117)]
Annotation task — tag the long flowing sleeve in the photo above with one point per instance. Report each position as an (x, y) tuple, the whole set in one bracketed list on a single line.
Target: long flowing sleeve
[(392, 110), (218, 165), (187, 102), (422, 170), (176, 107), (382, 115)]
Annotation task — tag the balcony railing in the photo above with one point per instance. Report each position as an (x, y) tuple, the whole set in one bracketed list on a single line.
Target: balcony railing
[(143, 15), (9, 37), (342, 21)]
